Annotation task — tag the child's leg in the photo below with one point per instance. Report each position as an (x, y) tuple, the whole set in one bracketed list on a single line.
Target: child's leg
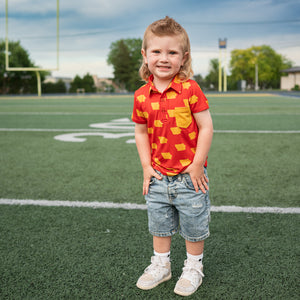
[(194, 248), (162, 244)]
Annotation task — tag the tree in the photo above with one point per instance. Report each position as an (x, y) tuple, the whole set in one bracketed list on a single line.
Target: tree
[(17, 82), (54, 88), (125, 57), (199, 79), (269, 64), (212, 78), (86, 83)]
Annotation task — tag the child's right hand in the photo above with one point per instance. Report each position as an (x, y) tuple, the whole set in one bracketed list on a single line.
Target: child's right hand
[(149, 172)]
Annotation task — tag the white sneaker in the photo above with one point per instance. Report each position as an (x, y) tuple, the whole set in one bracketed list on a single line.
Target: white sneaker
[(190, 279), (158, 272)]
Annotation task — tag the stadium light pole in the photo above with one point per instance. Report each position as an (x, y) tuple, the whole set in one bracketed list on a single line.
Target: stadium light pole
[(220, 70), (222, 45), (256, 76)]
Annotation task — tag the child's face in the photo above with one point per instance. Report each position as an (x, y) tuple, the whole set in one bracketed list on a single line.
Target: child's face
[(164, 57)]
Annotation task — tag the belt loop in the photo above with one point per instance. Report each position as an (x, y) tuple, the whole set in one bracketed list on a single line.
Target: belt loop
[(180, 177)]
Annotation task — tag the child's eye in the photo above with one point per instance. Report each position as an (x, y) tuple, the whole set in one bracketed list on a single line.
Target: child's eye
[(173, 52), (156, 51)]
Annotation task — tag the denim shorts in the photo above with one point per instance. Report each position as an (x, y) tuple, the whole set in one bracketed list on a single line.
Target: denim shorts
[(173, 205)]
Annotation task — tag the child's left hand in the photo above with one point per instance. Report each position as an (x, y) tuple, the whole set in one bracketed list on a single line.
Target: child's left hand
[(198, 177)]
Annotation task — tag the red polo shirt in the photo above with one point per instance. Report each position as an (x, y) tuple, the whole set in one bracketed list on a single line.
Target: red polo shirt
[(172, 130)]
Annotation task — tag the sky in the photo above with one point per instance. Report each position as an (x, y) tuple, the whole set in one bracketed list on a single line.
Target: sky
[(87, 29)]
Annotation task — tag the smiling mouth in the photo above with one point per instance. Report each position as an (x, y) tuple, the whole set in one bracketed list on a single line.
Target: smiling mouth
[(164, 67)]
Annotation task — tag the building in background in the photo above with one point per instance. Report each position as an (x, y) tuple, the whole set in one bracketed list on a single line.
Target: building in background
[(292, 81)]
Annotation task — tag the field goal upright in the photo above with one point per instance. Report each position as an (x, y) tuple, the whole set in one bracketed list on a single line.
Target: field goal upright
[(33, 69)]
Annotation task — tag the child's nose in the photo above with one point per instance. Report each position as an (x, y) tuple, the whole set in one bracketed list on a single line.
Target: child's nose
[(164, 57)]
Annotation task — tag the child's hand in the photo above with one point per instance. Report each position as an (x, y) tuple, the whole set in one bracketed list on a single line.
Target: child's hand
[(198, 178), (149, 172)]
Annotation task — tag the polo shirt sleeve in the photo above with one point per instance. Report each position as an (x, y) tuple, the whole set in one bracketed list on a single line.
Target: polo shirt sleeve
[(198, 101), (138, 109)]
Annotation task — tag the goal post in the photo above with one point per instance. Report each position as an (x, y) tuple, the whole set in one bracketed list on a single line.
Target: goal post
[(37, 70)]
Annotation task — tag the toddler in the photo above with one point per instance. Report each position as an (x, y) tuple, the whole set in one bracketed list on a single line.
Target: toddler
[(173, 133)]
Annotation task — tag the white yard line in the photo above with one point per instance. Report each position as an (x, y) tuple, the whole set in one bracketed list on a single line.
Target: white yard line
[(257, 131), (112, 113), (61, 113), (59, 203), (121, 129), (48, 129)]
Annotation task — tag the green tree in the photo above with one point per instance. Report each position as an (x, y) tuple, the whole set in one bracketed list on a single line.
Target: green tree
[(86, 83), (125, 57), (17, 82), (54, 88), (200, 80), (269, 64), (212, 78)]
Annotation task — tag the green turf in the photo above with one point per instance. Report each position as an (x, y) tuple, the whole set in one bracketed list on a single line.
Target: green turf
[(73, 253), (245, 169), (80, 253)]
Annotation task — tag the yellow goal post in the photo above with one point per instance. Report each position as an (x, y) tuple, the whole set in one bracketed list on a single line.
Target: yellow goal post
[(33, 69)]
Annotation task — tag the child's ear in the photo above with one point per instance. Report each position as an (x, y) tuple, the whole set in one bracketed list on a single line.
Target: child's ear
[(185, 57), (144, 56)]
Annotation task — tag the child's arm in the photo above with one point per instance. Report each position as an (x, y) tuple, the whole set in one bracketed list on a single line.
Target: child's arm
[(195, 169), (143, 147)]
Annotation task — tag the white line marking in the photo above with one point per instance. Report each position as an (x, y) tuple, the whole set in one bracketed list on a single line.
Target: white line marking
[(235, 209), (255, 114), (77, 137), (41, 113), (257, 131), (120, 129), (57, 130), (61, 113)]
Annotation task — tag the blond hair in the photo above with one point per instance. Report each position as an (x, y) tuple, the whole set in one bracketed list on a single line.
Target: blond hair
[(168, 27)]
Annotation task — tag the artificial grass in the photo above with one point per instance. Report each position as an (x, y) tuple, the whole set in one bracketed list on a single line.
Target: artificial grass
[(82, 253), (244, 169)]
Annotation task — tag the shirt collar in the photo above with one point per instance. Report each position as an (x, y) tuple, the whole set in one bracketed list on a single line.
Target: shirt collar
[(175, 84)]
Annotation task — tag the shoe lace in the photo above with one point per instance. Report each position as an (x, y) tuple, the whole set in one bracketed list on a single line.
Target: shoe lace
[(191, 272), (156, 268)]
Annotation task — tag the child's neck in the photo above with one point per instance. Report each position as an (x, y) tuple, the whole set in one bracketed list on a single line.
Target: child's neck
[(161, 85)]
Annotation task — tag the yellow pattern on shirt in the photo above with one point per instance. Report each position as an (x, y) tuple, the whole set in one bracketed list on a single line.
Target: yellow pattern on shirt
[(158, 123), (185, 162), (171, 95), (141, 98), (186, 85), (175, 130), (180, 147), (171, 113), (155, 105), (192, 135), (162, 139), (156, 160), (193, 99), (166, 155)]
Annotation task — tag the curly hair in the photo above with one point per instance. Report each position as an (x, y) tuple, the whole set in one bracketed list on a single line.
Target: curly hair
[(168, 27)]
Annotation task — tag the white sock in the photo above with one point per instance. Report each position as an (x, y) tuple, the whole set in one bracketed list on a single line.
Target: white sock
[(195, 257), (165, 256)]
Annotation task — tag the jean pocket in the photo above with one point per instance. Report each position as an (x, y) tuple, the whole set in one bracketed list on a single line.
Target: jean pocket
[(188, 181), (152, 180)]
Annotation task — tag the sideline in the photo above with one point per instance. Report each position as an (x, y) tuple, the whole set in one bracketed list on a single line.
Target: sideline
[(131, 206)]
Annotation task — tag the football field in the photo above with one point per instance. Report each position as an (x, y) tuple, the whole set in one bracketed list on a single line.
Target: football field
[(73, 223)]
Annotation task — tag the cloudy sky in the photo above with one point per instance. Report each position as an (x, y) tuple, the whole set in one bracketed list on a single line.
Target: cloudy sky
[(88, 27)]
